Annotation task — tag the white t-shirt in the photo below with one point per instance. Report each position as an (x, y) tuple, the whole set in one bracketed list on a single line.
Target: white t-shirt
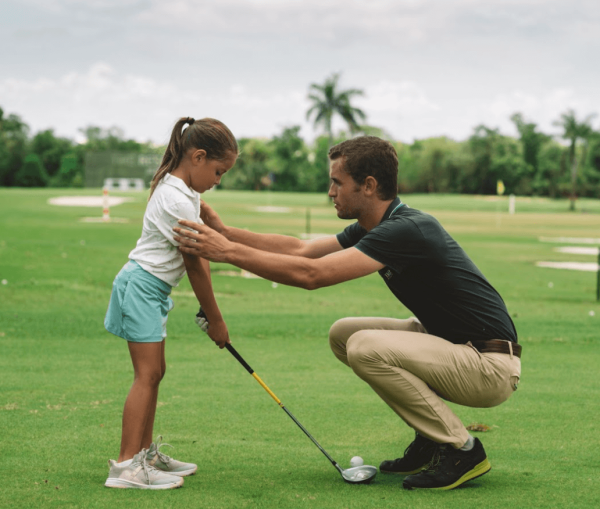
[(156, 251)]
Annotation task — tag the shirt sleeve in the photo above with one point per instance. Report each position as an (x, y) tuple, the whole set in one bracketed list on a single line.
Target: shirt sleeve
[(395, 243), (172, 214), (351, 235)]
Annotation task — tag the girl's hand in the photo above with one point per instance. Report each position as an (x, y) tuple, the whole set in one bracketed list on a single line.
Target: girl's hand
[(217, 331), (210, 217)]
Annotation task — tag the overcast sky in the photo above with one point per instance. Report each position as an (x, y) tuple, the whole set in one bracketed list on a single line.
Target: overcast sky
[(428, 67)]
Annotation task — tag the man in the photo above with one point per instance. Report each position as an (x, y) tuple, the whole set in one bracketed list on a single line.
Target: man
[(462, 347)]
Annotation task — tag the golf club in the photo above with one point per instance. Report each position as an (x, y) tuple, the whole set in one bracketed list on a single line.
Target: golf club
[(356, 475)]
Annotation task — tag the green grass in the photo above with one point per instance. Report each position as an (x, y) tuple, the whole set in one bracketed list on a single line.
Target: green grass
[(64, 379)]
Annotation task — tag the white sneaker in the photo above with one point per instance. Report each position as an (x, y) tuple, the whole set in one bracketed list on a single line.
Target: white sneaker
[(141, 475), (167, 464)]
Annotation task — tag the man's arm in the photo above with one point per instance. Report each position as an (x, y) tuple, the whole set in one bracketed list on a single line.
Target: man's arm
[(272, 243), (287, 269), (284, 244)]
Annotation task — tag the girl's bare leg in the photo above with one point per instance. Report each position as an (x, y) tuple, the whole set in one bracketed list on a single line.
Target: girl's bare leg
[(140, 405), (147, 437)]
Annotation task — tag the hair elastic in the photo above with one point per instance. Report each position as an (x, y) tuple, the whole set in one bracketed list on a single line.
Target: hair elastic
[(190, 120)]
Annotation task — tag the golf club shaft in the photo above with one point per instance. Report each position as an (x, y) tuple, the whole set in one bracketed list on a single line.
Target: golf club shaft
[(241, 360)]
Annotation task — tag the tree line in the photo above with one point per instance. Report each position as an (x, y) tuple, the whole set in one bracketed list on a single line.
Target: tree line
[(47, 160), (533, 163)]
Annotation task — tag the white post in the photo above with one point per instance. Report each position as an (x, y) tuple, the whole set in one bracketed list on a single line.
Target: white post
[(511, 204), (105, 210)]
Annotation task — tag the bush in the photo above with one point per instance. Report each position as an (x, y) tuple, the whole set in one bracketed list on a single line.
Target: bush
[(69, 174), (32, 173)]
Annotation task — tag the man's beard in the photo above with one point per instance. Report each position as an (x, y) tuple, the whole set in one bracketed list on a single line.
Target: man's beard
[(347, 213)]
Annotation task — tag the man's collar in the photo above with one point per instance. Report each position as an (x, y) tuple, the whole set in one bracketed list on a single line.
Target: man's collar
[(392, 208)]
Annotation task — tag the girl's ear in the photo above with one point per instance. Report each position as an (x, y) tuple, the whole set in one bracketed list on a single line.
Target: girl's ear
[(198, 155)]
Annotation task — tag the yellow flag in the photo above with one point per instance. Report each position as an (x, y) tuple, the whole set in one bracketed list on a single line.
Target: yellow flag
[(500, 187)]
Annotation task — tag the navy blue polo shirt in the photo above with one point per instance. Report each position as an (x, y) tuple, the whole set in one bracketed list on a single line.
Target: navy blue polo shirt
[(428, 272)]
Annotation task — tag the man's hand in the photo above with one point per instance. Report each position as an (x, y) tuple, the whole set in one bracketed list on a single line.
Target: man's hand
[(203, 242), (210, 217)]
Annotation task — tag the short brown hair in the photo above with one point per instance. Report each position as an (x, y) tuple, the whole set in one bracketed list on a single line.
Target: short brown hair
[(370, 156)]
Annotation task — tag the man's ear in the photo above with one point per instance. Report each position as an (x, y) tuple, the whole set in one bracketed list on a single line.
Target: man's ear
[(370, 185)]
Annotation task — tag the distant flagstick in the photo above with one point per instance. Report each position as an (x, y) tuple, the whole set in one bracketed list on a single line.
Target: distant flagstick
[(105, 205)]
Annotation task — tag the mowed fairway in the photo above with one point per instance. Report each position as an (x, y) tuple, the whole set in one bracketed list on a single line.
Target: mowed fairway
[(63, 378)]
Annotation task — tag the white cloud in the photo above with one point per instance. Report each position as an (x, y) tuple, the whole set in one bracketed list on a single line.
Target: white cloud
[(145, 106), (543, 108), (402, 108), (428, 67), (404, 98), (395, 21), (99, 96), (100, 83)]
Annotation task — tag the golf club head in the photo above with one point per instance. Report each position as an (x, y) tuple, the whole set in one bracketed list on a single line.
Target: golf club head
[(359, 475)]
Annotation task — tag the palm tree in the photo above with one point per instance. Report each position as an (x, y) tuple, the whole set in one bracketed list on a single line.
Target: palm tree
[(327, 101), (574, 131)]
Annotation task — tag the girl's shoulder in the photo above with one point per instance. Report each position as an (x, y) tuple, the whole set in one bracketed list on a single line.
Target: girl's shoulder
[(175, 186), (168, 201)]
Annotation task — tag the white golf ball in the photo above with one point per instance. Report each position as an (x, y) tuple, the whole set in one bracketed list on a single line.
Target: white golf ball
[(357, 461)]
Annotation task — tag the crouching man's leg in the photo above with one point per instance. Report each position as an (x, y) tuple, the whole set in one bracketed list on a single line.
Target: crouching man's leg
[(340, 331), (410, 371), (420, 452)]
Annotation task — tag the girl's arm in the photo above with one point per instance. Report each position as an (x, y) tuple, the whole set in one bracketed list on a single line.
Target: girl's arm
[(198, 270)]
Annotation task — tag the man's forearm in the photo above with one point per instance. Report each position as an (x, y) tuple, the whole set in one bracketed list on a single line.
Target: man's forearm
[(272, 243), (280, 268), (336, 265)]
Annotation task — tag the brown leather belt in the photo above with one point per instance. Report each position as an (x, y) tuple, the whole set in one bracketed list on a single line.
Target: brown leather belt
[(497, 346)]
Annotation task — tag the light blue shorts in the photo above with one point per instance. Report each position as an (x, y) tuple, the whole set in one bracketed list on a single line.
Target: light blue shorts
[(139, 306)]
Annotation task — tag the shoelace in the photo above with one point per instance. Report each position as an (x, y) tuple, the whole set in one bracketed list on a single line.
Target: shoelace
[(412, 445), (140, 458), (163, 457), (438, 457)]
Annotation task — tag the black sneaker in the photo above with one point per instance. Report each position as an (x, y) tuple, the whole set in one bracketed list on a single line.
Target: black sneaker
[(450, 468), (416, 457)]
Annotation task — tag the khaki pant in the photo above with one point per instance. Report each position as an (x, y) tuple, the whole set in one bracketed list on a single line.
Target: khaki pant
[(413, 372)]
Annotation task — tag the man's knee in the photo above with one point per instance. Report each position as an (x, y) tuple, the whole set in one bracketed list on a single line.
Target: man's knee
[(414, 325), (339, 333), (361, 350)]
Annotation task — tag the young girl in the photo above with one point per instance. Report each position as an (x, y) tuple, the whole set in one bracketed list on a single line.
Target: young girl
[(195, 160)]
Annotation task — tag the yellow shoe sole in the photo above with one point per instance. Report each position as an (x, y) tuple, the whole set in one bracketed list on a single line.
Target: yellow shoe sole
[(483, 468), (477, 471)]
